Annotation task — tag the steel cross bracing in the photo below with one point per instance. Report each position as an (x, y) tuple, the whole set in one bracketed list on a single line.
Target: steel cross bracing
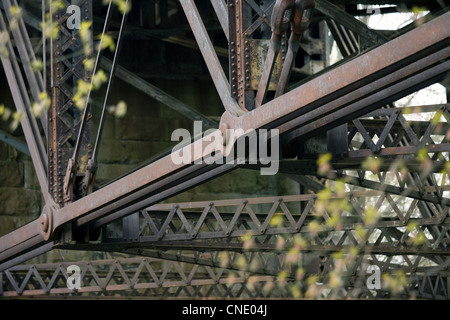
[(350, 93), (163, 278), (163, 225), (67, 60)]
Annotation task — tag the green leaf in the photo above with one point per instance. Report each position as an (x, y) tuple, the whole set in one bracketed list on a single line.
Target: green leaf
[(334, 220), (121, 109), (325, 194), (417, 10), (16, 12), (324, 158), (107, 42), (372, 164), (37, 65), (276, 220), (422, 155), (371, 215), (98, 79), (4, 38), (89, 64), (338, 255), (314, 226)]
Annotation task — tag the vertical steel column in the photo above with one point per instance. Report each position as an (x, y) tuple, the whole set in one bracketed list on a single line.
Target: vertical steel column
[(238, 49), (248, 44), (250, 31), (67, 56)]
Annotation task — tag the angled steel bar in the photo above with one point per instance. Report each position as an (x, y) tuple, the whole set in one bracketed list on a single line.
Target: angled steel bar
[(159, 94), (134, 275), (210, 57), (220, 7), (417, 131), (350, 22), (393, 153), (411, 191), (39, 249), (27, 56), (394, 247), (390, 94), (347, 107), (13, 141), (91, 171), (23, 105), (338, 36)]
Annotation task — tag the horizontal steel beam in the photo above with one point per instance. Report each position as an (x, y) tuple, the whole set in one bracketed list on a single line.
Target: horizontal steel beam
[(203, 246)]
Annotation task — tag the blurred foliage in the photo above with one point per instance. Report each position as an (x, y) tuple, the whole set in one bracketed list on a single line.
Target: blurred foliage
[(331, 202), (83, 89), (330, 207)]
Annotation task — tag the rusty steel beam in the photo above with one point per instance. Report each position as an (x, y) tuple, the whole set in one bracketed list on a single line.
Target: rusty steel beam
[(27, 56), (195, 225), (332, 115), (23, 105), (220, 7), (164, 178), (319, 94), (201, 246)]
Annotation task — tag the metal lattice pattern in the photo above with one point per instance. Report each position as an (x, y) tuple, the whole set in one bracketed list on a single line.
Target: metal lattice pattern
[(152, 277), (68, 57), (411, 153), (184, 222), (162, 278)]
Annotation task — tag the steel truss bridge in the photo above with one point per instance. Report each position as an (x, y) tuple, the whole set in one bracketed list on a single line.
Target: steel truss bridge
[(288, 246)]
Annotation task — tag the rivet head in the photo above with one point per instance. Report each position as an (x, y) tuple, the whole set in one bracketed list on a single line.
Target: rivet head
[(44, 223)]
